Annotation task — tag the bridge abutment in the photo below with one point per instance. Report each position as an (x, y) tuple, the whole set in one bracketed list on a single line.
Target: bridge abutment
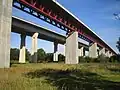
[(22, 54), (5, 30), (34, 48), (71, 49)]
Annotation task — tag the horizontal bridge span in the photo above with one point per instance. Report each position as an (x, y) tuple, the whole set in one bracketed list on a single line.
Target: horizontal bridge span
[(26, 27), (54, 13)]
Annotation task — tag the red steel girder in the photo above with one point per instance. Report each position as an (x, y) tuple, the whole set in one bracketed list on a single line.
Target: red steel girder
[(57, 18)]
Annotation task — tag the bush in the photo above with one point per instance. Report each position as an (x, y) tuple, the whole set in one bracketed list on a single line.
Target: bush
[(27, 55), (81, 59), (61, 58), (41, 55), (115, 58), (88, 59), (49, 57), (103, 59), (97, 60), (14, 54), (85, 59)]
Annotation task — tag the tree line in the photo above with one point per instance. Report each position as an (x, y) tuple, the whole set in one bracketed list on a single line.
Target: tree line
[(42, 56), (48, 57)]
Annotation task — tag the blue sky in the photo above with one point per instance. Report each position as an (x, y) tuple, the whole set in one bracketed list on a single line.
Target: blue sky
[(97, 14)]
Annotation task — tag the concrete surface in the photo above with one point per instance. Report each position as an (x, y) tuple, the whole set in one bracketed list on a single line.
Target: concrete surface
[(71, 49), (5, 30)]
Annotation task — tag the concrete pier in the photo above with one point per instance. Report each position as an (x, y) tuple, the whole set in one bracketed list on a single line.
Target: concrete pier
[(110, 54), (55, 55), (81, 52), (34, 48), (107, 53), (22, 54), (5, 30), (93, 53), (71, 49), (102, 51)]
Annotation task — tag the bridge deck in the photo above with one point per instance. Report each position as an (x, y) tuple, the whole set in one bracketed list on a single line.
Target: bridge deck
[(54, 12)]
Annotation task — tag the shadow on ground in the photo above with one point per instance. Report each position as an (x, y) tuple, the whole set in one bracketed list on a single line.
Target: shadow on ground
[(73, 80), (114, 70)]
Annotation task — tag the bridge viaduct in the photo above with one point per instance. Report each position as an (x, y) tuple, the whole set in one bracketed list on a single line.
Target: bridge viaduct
[(49, 11), (27, 28)]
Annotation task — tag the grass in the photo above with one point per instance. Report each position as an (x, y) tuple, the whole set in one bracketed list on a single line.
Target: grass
[(58, 76)]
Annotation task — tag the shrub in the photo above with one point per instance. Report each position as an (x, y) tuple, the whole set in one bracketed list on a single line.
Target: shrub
[(88, 59), (115, 58), (85, 59), (61, 58), (103, 59), (14, 54), (49, 57), (41, 55), (81, 59)]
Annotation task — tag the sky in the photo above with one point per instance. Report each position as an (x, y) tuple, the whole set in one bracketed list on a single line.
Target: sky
[(97, 14)]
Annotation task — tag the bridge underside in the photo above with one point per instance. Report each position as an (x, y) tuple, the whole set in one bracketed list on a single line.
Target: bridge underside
[(54, 13), (51, 12)]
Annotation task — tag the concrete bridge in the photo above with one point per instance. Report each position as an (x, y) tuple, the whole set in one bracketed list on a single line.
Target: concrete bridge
[(75, 29), (26, 28)]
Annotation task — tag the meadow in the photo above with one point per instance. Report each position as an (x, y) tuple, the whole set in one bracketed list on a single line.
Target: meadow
[(59, 76)]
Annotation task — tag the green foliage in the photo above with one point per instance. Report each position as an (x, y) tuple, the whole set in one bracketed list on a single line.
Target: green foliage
[(101, 58), (118, 44), (27, 55), (61, 58), (88, 59), (14, 54), (49, 57), (115, 58), (81, 59), (41, 54)]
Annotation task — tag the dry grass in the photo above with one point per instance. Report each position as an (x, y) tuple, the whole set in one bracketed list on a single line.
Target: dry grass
[(58, 76)]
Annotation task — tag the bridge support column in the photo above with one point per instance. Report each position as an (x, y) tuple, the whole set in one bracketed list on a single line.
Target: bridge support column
[(71, 49), (22, 55), (93, 53), (34, 48), (102, 51), (110, 54), (107, 54), (5, 30), (81, 51), (55, 55)]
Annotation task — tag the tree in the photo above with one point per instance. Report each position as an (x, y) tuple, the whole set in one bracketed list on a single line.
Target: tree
[(14, 54), (61, 57), (49, 57), (118, 44), (27, 55), (41, 54)]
